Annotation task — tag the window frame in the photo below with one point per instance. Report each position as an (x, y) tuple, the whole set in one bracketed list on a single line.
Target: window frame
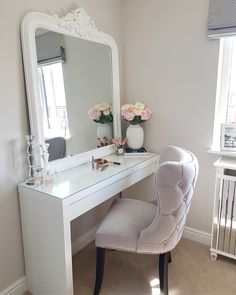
[(222, 90), (44, 101)]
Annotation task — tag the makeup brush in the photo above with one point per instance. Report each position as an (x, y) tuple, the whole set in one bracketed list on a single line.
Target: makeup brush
[(101, 161)]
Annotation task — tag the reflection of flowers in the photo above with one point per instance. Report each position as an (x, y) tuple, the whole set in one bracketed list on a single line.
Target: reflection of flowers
[(103, 141), (101, 113), (135, 113)]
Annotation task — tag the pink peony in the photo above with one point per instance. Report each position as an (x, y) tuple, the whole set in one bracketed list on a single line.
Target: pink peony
[(128, 114), (146, 114), (126, 107), (94, 114)]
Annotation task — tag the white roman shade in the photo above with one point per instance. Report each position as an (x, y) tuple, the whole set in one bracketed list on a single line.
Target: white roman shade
[(49, 48), (221, 18)]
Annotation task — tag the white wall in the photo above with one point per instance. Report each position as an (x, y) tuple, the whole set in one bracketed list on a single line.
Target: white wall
[(13, 118), (170, 64)]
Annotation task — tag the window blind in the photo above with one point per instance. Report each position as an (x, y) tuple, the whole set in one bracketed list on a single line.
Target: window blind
[(49, 49), (221, 18)]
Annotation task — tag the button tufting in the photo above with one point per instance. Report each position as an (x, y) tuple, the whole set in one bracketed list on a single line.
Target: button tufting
[(180, 184), (173, 213), (185, 198), (177, 226), (165, 242)]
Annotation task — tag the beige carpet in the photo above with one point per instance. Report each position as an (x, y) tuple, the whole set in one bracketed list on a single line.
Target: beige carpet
[(191, 272)]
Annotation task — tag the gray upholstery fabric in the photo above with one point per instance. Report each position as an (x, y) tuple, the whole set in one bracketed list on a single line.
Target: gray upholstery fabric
[(123, 224), (57, 148), (141, 227)]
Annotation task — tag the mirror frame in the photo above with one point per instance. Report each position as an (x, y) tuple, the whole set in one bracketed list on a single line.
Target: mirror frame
[(77, 24)]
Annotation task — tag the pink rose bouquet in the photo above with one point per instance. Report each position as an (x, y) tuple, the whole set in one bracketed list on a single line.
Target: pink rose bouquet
[(101, 113), (135, 113)]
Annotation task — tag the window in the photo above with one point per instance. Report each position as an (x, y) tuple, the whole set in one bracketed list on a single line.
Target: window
[(225, 112), (53, 100)]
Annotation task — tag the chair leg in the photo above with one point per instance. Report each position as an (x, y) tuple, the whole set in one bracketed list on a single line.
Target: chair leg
[(164, 259), (170, 260), (99, 269)]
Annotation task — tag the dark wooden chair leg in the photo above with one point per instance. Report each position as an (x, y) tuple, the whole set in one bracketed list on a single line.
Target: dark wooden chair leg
[(99, 269), (163, 272), (170, 260)]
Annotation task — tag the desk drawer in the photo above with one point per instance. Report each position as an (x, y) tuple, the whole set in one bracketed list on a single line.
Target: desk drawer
[(92, 200)]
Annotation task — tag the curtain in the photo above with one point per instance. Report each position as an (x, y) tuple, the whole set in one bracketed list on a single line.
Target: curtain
[(49, 48), (221, 18)]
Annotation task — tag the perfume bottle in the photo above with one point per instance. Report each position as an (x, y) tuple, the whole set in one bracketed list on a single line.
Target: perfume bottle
[(47, 173), (38, 176)]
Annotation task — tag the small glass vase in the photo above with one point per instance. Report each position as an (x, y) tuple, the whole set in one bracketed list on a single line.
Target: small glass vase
[(120, 150)]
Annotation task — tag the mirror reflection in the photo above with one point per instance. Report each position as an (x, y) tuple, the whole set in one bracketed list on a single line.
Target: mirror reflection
[(75, 76)]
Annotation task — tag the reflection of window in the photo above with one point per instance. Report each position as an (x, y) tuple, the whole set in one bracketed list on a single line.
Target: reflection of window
[(55, 120), (226, 89)]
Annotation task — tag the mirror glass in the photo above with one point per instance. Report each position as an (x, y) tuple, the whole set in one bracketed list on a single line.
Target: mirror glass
[(74, 76)]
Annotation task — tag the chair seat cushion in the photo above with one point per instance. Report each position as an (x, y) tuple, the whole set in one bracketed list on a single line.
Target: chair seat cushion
[(123, 224)]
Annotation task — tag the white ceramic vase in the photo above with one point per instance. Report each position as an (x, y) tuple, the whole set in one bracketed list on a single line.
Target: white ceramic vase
[(104, 130), (135, 136)]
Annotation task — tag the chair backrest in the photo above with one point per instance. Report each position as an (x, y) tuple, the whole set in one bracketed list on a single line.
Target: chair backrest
[(57, 148), (175, 182)]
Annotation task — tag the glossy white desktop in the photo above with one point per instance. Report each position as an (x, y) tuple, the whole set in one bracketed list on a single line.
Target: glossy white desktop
[(47, 211)]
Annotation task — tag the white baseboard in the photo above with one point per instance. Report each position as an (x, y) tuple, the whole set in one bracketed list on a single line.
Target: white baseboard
[(17, 288), (83, 241), (197, 235)]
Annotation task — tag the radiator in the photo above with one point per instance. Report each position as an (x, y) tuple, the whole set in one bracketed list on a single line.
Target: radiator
[(224, 219)]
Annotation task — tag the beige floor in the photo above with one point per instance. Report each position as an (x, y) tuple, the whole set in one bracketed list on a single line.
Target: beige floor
[(191, 272)]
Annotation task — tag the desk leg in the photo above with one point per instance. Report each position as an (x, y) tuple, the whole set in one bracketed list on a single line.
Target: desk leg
[(47, 245)]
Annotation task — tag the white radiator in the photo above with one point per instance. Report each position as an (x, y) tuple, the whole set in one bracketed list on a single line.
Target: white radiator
[(224, 218)]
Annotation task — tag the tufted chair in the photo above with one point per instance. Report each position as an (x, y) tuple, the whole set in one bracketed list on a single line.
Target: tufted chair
[(145, 228)]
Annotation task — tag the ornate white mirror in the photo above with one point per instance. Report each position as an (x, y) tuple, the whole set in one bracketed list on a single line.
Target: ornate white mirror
[(70, 67)]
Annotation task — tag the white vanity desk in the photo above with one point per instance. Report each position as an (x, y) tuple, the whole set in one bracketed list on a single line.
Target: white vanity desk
[(47, 212)]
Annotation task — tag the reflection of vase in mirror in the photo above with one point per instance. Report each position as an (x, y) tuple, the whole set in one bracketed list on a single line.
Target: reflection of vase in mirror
[(104, 130), (74, 74), (135, 136), (45, 155)]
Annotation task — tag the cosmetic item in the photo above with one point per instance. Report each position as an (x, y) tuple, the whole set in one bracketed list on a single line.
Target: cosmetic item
[(104, 167), (92, 163), (48, 178), (38, 176), (101, 161)]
